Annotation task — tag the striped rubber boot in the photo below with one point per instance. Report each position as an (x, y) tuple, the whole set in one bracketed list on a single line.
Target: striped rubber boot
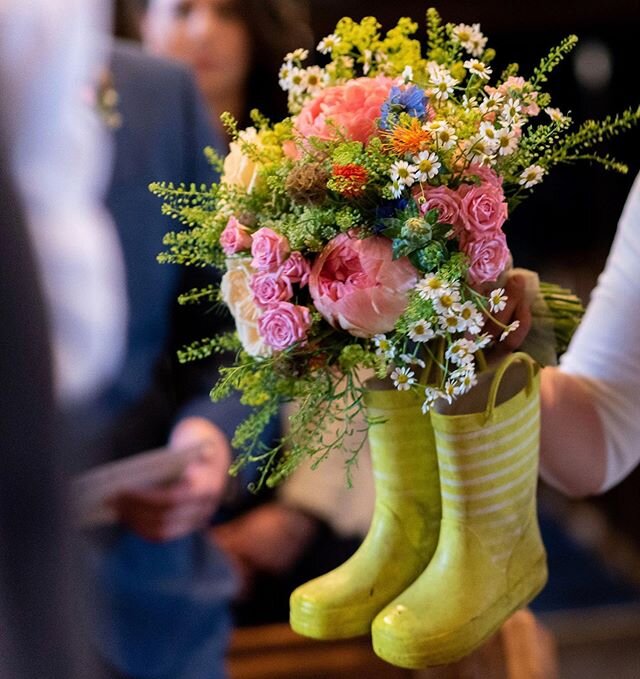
[(490, 560), (404, 529)]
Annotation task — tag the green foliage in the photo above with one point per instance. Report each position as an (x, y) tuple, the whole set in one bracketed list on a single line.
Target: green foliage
[(548, 63)]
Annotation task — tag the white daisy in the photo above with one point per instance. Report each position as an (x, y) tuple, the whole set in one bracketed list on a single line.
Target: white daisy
[(482, 341), (407, 74), (326, 45), (471, 316), (445, 138), (405, 173), (412, 360), (396, 188), (464, 379), (497, 300), (445, 300), (297, 55), (421, 331), (478, 68), (512, 112), (531, 176), (430, 286), (489, 132), (461, 351), (556, 115), (507, 141), (450, 323), (431, 395), (384, 346), (428, 165), (403, 378), (442, 83), (491, 103), (449, 391), (509, 329), (315, 79), (470, 37), (480, 149)]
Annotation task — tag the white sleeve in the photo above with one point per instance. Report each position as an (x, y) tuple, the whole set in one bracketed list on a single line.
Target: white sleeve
[(605, 351), (50, 53)]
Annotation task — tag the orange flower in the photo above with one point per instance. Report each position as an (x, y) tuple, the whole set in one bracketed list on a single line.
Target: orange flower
[(350, 180), (411, 139)]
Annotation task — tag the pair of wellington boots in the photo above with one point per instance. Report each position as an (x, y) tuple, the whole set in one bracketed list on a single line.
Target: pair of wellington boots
[(454, 546)]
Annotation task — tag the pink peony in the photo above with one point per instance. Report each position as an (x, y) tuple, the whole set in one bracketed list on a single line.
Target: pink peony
[(284, 324), (296, 268), (269, 249), (269, 288), (443, 199), (356, 284), (350, 110), (488, 256), (235, 237), (483, 209)]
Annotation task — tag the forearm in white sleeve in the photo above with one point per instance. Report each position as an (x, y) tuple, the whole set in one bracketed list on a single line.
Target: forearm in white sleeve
[(605, 351)]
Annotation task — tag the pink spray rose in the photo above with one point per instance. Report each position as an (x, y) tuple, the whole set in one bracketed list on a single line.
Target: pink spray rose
[(235, 237), (483, 209), (356, 284), (283, 324), (485, 174), (488, 256), (269, 249), (270, 287), (350, 110), (296, 268), (443, 199)]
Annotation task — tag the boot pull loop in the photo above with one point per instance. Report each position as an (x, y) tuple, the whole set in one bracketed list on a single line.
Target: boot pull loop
[(499, 374)]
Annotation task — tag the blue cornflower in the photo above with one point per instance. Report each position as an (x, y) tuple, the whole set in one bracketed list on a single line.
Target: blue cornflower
[(411, 100)]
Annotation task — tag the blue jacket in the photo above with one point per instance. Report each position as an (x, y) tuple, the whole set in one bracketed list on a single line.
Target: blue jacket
[(165, 605)]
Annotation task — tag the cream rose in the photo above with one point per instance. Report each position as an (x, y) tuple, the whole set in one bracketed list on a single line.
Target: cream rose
[(237, 295), (239, 169)]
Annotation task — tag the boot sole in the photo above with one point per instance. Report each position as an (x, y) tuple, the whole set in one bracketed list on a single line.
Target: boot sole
[(336, 623), (453, 646)]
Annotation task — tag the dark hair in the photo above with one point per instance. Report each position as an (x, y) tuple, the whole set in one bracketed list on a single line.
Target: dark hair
[(275, 28)]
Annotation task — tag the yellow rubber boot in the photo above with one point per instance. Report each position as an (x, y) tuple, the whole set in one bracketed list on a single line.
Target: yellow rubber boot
[(404, 529), (490, 560)]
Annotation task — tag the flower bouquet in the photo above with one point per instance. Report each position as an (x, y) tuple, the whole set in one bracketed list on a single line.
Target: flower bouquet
[(363, 236)]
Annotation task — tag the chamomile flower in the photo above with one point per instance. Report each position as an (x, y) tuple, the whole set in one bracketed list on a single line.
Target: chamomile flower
[(403, 378), (472, 318), (445, 300), (470, 37), (478, 68), (442, 83), (431, 395), (297, 55), (327, 45), (445, 138), (407, 74), (412, 360), (556, 115), (489, 132), (405, 173), (450, 323), (464, 379), (531, 176), (512, 327), (314, 79), (461, 352), (512, 112), (491, 103), (480, 149), (497, 300), (448, 391), (482, 341), (367, 61), (396, 188), (507, 141), (430, 286), (421, 331), (384, 346), (428, 165)]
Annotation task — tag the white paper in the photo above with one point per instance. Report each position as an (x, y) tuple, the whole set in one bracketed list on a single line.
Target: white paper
[(92, 489)]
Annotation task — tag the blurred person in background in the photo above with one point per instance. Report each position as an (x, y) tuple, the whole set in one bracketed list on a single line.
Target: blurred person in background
[(276, 541), (63, 321)]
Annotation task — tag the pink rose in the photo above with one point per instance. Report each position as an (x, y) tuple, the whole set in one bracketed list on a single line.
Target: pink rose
[(350, 110), (488, 256), (296, 268), (269, 249), (485, 174), (443, 199), (483, 209), (235, 237), (356, 284), (269, 288), (284, 324)]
